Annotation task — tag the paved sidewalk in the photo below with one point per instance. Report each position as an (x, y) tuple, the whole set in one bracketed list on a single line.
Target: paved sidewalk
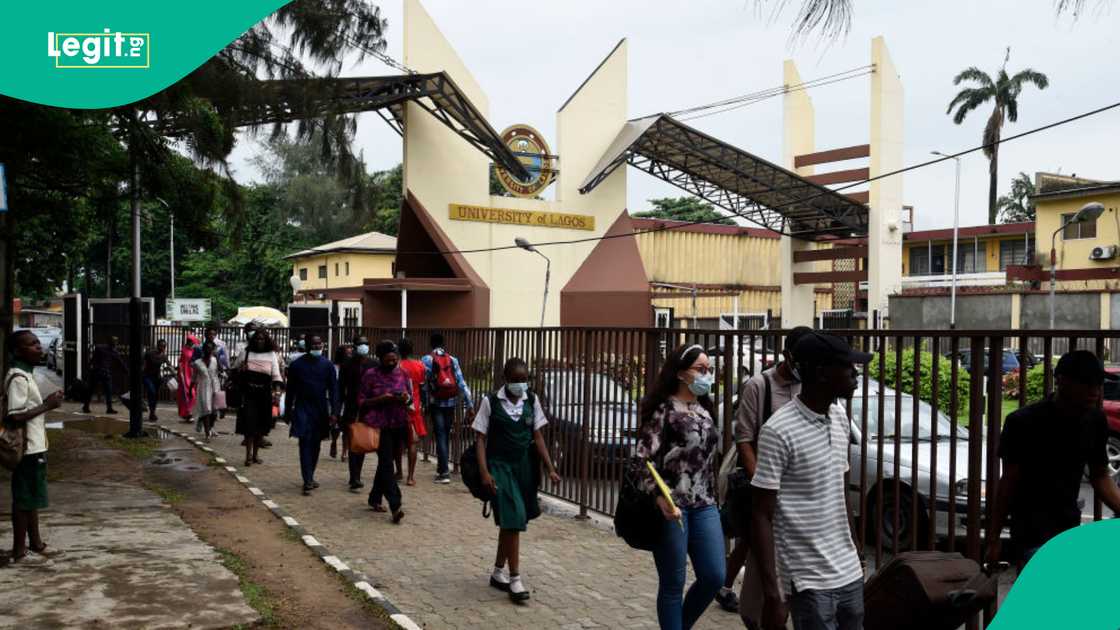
[(435, 565)]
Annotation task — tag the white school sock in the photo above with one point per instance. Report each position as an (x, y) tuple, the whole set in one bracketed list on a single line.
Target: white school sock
[(515, 585)]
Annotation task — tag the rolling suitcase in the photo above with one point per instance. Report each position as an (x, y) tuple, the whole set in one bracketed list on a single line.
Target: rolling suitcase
[(926, 590)]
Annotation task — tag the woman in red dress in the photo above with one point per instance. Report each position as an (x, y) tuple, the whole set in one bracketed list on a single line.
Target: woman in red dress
[(185, 394), (415, 371)]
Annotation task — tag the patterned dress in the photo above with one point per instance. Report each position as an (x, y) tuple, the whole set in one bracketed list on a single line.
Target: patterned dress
[(682, 441)]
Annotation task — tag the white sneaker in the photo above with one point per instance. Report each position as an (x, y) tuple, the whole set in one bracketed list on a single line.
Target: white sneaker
[(445, 479), (517, 590), (499, 579)]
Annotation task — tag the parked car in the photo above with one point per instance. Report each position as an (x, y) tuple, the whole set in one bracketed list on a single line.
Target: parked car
[(55, 356), (612, 422), (1010, 361), (1111, 405)]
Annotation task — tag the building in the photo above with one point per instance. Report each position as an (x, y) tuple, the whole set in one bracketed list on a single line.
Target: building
[(984, 252), (337, 270)]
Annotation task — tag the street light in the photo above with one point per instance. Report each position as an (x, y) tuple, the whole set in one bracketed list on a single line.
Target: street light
[(956, 225), (1087, 214), (295, 282), (171, 222), (527, 246)]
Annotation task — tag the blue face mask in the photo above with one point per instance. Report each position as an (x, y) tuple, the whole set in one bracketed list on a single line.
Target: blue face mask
[(316, 353), (362, 349), (702, 384), (302, 344), (517, 390)]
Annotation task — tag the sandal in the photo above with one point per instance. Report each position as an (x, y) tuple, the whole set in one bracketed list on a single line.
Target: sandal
[(398, 516), (378, 508), (410, 482), (248, 462), (45, 552)]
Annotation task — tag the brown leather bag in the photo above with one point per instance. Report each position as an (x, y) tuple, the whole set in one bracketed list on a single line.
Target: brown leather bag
[(364, 438), (926, 590)]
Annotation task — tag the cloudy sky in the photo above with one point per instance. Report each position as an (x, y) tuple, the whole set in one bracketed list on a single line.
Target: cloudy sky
[(529, 57)]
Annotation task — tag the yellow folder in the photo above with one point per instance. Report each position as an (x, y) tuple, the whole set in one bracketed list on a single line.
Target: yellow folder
[(664, 490)]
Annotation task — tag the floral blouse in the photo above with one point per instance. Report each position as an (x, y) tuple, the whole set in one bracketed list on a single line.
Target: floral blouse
[(682, 441), (375, 383)]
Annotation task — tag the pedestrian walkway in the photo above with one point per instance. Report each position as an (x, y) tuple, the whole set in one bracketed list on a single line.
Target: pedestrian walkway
[(435, 565)]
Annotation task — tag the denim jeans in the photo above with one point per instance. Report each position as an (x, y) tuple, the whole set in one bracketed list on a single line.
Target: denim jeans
[(308, 458), (442, 418), (833, 609), (701, 540), (151, 387)]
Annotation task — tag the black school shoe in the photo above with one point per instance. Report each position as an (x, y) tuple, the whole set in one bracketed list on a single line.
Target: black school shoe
[(728, 601), (518, 596), (499, 584)]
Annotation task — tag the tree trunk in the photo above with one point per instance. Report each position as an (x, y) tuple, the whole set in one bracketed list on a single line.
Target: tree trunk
[(993, 184), (109, 263)]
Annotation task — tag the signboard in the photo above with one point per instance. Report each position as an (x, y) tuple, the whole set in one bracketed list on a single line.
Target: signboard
[(3, 190), (528, 145), (188, 310), (459, 212)]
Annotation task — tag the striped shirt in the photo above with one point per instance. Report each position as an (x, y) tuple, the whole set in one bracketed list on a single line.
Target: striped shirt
[(803, 456)]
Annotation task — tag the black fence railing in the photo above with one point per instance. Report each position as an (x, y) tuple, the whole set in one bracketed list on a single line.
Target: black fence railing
[(925, 421)]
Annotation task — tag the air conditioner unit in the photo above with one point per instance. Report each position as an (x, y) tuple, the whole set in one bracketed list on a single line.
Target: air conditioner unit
[(1107, 252)]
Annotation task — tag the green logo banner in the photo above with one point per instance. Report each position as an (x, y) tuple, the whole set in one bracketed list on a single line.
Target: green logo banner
[(1069, 583), (89, 55)]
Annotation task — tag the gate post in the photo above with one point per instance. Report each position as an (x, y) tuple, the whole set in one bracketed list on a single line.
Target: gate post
[(585, 431)]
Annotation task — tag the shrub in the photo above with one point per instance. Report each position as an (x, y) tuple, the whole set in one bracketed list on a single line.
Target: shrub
[(925, 378)]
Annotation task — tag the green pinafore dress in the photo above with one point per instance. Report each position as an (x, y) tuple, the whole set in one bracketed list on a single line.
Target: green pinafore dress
[(509, 447)]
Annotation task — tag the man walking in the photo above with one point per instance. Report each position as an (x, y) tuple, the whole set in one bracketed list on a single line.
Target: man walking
[(1045, 447), (105, 358), (221, 352), (760, 397), (350, 385), (798, 491), (312, 406), (443, 386), (154, 360)]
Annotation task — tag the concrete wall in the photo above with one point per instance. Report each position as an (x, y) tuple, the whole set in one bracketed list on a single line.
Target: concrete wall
[(362, 266), (932, 312), (1071, 310)]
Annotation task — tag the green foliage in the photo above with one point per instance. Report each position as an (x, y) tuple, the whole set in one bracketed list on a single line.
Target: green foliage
[(1036, 383), (1016, 206), (684, 209), (385, 193), (925, 378)]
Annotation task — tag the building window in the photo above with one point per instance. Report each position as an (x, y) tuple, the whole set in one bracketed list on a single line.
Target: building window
[(1087, 229), (347, 269), (322, 271), (336, 270), (1015, 252), (303, 273), (970, 257), (927, 261)]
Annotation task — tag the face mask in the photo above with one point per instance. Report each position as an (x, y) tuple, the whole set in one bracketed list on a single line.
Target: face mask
[(702, 384), (362, 349), (302, 344), (316, 353), (517, 390), (250, 334)]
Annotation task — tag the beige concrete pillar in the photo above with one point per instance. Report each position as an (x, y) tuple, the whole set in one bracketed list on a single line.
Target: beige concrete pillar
[(798, 138), (797, 299), (884, 270), (1106, 310)]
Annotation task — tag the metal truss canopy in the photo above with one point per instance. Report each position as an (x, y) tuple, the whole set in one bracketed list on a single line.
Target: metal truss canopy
[(288, 100), (732, 179)]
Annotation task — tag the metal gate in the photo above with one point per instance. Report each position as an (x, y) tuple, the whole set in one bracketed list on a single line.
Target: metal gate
[(311, 319), (73, 339), (835, 319)]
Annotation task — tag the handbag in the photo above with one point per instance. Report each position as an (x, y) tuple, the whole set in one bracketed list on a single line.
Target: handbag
[(364, 438), (171, 383), (219, 400), (233, 388), (13, 436), (637, 519)]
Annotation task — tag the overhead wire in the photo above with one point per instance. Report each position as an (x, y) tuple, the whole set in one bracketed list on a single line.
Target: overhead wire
[(774, 91)]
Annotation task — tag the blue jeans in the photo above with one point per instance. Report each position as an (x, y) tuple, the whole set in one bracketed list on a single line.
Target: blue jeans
[(151, 386), (701, 540), (442, 418), (832, 609), (308, 458)]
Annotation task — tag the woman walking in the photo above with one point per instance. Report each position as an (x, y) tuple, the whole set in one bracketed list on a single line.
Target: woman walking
[(207, 384), (508, 424), (341, 357), (678, 435), (414, 368), (258, 375), (383, 403), (185, 394)]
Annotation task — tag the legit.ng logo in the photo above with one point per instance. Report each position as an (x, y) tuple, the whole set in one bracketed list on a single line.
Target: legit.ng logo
[(105, 50)]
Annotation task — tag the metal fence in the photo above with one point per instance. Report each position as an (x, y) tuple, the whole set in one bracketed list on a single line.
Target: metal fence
[(922, 466)]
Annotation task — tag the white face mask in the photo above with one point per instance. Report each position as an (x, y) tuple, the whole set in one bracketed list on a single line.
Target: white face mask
[(362, 349), (517, 389)]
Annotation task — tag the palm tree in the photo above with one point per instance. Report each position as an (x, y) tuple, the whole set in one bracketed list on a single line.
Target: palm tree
[(1004, 91), (1016, 206)]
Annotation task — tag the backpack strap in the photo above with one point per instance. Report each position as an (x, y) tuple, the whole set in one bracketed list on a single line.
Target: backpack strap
[(768, 400)]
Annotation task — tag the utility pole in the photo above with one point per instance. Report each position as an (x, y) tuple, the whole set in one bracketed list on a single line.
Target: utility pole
[(135, 336)]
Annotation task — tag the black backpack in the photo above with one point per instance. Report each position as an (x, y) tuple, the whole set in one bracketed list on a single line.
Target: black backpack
[(472, 477), (637, 519)]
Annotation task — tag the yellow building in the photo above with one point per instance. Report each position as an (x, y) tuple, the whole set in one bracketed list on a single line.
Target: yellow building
[(984, 252), (337, 270), (1088, 254)]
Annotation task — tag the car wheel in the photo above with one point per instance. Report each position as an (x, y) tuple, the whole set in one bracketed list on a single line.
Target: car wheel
[(885, 527), (1112, 448)]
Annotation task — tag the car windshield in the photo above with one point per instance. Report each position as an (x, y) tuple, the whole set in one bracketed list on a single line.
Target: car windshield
[(566, 389), (925, 418)]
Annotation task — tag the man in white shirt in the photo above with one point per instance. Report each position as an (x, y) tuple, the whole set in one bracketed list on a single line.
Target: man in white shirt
[(26, 407)]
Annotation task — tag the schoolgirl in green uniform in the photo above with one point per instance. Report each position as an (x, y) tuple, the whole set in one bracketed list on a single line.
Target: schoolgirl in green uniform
[(509, 424)]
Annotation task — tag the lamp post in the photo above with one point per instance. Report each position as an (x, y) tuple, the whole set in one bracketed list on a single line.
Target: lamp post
[(171, 243), (527, 246), (1087, 214), (956, 226)]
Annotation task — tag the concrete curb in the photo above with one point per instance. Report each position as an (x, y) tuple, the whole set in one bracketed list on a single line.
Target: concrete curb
[(357, 579)]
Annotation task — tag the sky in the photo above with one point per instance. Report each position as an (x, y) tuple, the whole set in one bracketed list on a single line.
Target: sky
[(529, 57)]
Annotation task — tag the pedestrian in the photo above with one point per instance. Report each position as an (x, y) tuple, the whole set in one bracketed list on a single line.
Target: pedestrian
[(760, 396), (105, 357), (206, 382), (242, 346), (341, 357), (350, 386), (799, 507), (679, 437), (221, 352), (311, 406), (185, 393), (299, 348), (444, 386), (260, 381), (508, 425), (416, 429), (383, 403), (1044, 448), (154, 360), (27, 406)]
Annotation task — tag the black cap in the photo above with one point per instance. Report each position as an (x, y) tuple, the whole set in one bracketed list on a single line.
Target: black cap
[(819, 349), (1082, 366)]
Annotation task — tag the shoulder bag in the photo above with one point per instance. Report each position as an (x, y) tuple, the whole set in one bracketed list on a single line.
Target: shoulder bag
[(13, 435)]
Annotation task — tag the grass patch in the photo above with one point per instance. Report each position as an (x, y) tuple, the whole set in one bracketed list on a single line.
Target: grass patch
[(1008, 407), (139, 448), (362, 599), (169, 495), (255, 595)]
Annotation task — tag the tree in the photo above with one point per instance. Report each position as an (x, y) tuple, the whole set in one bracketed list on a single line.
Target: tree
[(1016, 206), (1004, 91), (684, 209), (385, 194)]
